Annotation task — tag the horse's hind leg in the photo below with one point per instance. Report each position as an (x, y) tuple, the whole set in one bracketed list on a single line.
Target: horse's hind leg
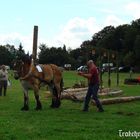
[(51, 88), (55, 99), (57, 92), (38, 103), (54, 96)]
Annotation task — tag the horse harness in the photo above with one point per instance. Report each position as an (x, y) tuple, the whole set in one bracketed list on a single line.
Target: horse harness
[(43, 75)]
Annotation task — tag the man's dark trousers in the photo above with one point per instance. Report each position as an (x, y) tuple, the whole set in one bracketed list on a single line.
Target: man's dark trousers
[(3, 84), (92, 91)]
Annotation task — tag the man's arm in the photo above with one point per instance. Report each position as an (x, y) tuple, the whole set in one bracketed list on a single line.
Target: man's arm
[(86, 75)]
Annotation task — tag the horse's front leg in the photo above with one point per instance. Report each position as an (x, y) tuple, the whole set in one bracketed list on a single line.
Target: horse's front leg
[(26, 101), (38, 103)]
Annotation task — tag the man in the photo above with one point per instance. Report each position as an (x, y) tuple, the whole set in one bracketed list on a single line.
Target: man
[(93, 86), (3, 79)]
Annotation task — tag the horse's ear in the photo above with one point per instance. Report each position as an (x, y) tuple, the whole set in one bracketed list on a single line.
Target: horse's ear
[(31, 56), (27, 54), (26, 58)]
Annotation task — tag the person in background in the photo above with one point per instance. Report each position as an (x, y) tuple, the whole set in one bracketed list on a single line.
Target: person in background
[(3, 80), (93, 86)]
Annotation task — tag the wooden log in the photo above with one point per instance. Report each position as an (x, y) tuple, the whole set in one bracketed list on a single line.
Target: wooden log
[(35, 39), (78, 95), (81, 93), (112, 93), (117, 100), (75, 89), (108, 101)]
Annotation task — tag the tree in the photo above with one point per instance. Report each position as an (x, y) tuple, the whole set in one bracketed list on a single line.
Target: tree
[(5, 56), (64, 48), (123, 40), (58, 56), (77, 57), (136, 24), (129, 59), (137, 49), (101, 34), (20, 52)]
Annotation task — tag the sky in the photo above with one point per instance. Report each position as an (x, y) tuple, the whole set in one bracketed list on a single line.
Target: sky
[(68, 22)]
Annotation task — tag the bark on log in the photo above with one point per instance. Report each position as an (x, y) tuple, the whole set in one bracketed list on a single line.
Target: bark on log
[(108, 101), (117, 100), (79, 94)]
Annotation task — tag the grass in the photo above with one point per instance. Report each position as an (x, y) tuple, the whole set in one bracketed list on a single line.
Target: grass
[(68, 122)]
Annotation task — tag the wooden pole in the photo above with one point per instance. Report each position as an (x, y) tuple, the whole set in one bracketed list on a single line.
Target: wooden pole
[(35, 39)]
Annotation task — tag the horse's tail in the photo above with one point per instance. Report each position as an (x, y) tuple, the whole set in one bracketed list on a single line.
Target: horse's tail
[(61, 84)]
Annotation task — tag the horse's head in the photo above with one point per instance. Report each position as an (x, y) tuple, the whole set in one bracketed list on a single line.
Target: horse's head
[(20, 66)]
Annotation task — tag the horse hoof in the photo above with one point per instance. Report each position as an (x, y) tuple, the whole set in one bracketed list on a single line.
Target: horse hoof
[(52, 106), (25, 108), (38, 108), (57, 104)]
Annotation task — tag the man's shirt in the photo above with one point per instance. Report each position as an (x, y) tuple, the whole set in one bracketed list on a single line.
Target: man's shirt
[(95, 76), (3, 75)]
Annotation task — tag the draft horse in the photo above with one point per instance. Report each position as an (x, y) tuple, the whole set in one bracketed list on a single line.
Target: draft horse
[(31, 78)]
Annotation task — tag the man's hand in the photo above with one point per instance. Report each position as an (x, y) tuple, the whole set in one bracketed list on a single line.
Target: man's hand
[(86, 75), (80, 73)]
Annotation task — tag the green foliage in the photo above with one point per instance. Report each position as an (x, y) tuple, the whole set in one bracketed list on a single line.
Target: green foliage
[(53, 55), (101, 34), (136, 24), (8, 54), (123, 39), (5, 55), (20, 52), (129, 59), (137, 48)]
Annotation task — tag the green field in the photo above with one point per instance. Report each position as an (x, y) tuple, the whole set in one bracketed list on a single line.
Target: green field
[(68, 122)]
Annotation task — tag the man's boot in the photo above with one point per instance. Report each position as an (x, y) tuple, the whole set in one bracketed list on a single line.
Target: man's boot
[(85, 109)]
